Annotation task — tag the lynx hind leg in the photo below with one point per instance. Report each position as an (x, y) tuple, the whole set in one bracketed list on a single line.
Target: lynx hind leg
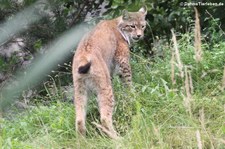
[(106, 106), (80, 102)]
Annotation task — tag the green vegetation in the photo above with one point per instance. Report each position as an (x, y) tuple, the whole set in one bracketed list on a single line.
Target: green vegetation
[(153, 115), (174, 103)]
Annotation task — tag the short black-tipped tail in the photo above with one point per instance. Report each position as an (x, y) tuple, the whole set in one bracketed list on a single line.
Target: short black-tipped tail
[(84, 69)]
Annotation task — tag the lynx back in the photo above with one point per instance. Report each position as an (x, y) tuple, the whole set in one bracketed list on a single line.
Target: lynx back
[(102, 52)]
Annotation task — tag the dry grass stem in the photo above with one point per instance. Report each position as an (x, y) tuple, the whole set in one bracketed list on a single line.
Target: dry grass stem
[(173, 68), (187, 83), (177, 55), (223, 80), (202, 118), (198, 136), (190, 83), (188, 97), (203, 125), (197, 44)]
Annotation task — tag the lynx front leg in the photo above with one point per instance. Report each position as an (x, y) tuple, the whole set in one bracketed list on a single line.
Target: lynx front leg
[(125, 71), (80, 106)]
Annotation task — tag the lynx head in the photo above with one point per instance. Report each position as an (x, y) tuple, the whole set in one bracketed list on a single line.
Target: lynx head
[(132, 24)]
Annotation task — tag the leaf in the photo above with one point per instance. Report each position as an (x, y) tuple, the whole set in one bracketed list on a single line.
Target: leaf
[(144, 88)]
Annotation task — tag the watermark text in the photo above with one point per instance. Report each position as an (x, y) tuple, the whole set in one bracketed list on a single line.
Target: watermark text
[(193, 4)]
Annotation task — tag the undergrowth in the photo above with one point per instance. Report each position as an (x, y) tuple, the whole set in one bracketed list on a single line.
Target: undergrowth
[(151, 115)]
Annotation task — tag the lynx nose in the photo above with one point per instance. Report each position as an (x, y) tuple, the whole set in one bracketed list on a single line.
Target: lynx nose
[(137, 37)]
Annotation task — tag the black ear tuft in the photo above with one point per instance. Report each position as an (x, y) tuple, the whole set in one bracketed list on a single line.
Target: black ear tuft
[(143, 9), (125, 15)]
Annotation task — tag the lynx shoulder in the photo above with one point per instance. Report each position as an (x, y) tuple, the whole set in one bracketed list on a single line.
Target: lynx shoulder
[(99, 54)]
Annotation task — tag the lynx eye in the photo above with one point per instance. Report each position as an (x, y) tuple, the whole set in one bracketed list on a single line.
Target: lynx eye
[(142, 26), (132, 26)]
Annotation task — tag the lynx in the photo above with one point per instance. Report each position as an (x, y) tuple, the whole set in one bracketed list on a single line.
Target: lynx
[(101, 53)]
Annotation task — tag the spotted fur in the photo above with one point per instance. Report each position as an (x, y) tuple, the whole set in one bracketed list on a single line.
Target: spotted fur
[(101, 53)]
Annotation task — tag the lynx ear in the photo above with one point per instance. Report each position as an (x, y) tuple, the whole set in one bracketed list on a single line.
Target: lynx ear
[(125, 15), (143, 9)]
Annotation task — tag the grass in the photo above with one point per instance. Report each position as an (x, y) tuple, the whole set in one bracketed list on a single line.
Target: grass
[(153, 115)]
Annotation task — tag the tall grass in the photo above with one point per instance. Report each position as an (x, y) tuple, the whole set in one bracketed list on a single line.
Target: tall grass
[(151, 116)]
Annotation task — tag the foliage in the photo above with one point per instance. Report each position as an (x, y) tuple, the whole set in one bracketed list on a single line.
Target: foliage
[(151, 116), (154, 114), (57, 17), (60, 15)]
